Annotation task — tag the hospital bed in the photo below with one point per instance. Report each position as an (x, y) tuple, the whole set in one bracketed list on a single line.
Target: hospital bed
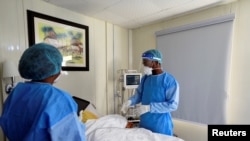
[(114, 127)]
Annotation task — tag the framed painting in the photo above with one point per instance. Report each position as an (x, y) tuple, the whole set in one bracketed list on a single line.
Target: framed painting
[(71, 39)]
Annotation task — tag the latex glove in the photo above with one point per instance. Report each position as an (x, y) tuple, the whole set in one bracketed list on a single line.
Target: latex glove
[(141, 109), (125, 106)]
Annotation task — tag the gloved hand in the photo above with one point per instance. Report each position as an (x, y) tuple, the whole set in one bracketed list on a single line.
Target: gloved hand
[(125, 106), (141, 109)]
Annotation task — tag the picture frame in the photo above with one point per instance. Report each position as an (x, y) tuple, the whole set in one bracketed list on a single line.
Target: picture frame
[(71, 39)]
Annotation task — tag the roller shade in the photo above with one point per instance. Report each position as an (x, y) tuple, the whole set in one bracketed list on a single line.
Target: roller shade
[(198, 55)]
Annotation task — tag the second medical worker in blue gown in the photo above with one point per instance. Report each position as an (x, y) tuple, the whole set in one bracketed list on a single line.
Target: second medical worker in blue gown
[(36, 110), (158, 94)]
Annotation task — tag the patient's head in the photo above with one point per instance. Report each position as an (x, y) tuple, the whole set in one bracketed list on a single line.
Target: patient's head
[(39, 62)]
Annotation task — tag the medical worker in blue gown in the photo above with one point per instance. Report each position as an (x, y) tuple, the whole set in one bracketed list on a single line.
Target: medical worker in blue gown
[(36, 110), (158, 95)]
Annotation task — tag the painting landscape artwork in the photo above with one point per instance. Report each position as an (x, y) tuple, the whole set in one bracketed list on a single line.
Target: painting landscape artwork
[(71, 39)]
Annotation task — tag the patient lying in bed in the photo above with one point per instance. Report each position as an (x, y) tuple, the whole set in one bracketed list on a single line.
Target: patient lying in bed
[(113, 128)]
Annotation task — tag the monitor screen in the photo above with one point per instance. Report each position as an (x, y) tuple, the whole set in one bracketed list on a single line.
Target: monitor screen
[(132, 80)]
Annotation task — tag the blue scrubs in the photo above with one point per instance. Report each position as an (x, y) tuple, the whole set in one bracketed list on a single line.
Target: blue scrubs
[(41, 112), (161, 92)]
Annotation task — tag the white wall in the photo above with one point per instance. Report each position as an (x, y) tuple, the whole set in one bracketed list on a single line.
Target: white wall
[(238, 112), (108, 50)]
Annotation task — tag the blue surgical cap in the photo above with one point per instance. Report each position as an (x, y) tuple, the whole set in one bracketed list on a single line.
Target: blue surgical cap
[(40, 61), (153, 55)]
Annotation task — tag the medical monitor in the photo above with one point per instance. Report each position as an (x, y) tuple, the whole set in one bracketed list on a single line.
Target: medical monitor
[(131, 80)]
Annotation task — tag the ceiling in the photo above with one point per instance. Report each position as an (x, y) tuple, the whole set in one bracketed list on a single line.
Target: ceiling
[(135, 13)]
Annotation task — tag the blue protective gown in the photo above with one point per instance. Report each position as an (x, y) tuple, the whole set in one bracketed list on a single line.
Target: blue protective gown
[(161, 92), (41, 112)]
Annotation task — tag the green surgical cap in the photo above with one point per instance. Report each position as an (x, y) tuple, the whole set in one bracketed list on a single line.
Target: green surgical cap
[(153, 55), (40, 61)]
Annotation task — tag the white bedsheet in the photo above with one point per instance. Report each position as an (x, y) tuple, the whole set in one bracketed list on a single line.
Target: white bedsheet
[(112, 128)]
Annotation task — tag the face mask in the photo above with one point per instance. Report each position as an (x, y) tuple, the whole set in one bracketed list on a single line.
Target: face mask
[(147, 70), (59, 76), (57, 79)]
